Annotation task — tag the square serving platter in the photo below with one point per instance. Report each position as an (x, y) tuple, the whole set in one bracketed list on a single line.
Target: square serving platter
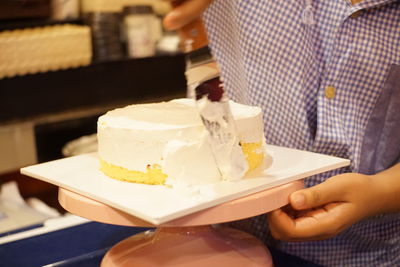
[(159, 204)]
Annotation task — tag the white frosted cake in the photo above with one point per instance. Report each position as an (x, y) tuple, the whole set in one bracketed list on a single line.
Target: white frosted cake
[(166, 143)]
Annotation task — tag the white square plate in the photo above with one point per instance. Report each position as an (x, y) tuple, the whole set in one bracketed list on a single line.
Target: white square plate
[(159, 204)]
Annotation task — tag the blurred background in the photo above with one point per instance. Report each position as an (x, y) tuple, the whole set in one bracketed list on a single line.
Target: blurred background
[(63, 63)]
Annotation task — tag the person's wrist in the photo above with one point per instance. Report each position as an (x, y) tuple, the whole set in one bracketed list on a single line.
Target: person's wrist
[(381, 194), (365, 191)]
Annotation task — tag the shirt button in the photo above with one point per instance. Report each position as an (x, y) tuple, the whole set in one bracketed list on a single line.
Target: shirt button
[(356, 14), (330, 92)]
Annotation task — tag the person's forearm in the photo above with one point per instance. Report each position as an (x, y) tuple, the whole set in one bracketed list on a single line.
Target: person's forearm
[(387, 183)]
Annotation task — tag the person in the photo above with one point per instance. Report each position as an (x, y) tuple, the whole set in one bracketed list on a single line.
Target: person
[(327, 75)]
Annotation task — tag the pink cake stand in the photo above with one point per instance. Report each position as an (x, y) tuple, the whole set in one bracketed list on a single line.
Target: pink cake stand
[(190, 241)]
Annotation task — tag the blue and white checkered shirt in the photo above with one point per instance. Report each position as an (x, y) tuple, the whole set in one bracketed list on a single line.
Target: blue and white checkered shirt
[(327, 75)]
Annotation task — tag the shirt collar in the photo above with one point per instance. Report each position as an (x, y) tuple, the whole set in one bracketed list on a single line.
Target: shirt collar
[(366, 4), (370, 4)]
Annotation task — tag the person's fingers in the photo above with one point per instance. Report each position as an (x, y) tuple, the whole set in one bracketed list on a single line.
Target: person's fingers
[(332, 190), (317, 224), (324, 210), (280, 223), (184, 12)]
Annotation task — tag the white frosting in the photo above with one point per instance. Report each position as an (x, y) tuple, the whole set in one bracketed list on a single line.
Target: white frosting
[(172, 135)]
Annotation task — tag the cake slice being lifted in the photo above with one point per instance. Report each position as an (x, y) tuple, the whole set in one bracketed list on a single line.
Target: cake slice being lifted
[(166, 143)]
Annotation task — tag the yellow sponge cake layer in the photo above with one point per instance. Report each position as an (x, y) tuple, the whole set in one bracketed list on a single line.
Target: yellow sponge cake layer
[(154, 175), (254, 154)]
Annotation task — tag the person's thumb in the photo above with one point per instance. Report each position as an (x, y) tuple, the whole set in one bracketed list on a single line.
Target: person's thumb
[(316, 196)]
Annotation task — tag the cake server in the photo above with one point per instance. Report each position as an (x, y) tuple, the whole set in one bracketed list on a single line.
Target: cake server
[(205, 87), (215, 113)]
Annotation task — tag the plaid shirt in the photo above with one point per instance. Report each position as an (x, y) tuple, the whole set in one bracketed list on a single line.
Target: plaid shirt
[(327, 75)]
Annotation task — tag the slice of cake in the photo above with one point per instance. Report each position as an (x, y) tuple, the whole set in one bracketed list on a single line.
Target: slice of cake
[(166, 143)]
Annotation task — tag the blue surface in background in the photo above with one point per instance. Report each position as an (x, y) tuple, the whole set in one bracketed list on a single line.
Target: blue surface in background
[(85, 246), (82, 245)]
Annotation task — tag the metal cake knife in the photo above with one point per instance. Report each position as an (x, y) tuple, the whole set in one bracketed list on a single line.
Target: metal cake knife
[(205, 87)]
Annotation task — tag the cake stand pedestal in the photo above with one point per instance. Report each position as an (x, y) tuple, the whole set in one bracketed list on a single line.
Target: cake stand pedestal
[(190, 241)]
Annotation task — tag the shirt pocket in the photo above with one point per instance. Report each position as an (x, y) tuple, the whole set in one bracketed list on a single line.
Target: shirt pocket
[(381, 143)]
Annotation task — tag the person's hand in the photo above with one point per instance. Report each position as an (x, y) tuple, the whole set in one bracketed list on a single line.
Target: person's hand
[(184, 12), (323, 211)]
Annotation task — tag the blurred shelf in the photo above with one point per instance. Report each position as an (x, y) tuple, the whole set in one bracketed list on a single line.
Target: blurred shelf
[(14, 24), (25, 9), (99, 84)]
